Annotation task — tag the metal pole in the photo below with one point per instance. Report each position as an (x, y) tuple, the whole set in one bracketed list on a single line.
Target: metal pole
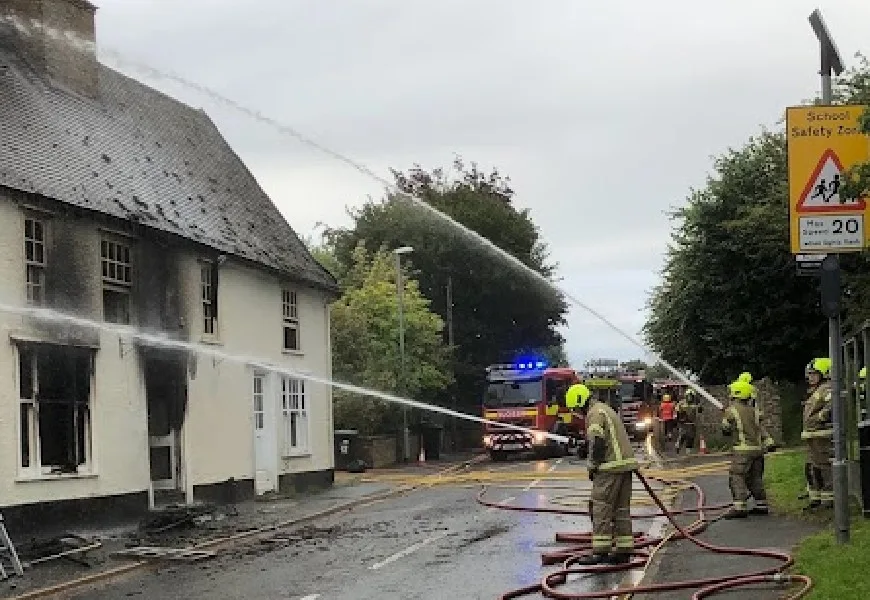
[(454, 427), (400, 293), (840, 466)]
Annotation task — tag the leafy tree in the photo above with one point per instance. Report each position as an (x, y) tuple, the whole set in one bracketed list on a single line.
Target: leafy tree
[(365, 343), (499, 312), (730, 299)]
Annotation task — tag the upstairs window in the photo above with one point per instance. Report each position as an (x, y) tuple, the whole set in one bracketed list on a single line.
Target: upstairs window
[(290, 310), (34, 261), (117, 273), (208, 278)]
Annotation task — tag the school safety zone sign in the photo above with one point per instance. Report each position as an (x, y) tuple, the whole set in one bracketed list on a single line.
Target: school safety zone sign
[(824, 142)]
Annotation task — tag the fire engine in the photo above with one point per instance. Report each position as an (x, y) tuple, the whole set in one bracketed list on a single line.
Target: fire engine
[(532, 395), (636, 405)]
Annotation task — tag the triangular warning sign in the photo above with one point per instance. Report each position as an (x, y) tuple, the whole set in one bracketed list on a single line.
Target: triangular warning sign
[(822, 192)]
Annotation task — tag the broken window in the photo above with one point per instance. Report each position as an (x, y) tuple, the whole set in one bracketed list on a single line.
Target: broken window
[(290, 309), (294, 412), (55, 407), (117, 275), (209, 284), (34, 260)]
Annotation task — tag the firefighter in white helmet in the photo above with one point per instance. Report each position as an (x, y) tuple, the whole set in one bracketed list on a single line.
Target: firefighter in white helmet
[(611, 464)]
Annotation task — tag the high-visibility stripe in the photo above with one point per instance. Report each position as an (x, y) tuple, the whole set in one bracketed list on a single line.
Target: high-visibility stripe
[(818, 433), (596, 429), (618, 462), (739, 505), (625, 541), (815, 495)]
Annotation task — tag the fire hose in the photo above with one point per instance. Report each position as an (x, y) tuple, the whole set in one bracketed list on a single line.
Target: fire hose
[(569, 557)]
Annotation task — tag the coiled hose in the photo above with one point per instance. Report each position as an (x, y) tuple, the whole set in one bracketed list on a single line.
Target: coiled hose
[(707, 587)]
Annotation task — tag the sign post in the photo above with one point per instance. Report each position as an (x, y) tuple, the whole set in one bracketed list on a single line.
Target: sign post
[(824, 142)]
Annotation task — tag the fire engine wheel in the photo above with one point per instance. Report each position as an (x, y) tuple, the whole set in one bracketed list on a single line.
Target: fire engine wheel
[(497, 455)]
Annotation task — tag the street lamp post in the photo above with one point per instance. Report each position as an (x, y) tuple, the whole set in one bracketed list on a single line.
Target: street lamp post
[(400, 293)]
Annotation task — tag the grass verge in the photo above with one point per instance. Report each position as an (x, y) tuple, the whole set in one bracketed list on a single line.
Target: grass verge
[(837, 571)]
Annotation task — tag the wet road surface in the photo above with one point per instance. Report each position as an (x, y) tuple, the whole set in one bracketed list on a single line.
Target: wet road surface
[(433, 543)]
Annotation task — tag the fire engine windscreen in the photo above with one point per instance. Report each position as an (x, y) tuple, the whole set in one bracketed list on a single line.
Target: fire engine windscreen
[(524, 392)]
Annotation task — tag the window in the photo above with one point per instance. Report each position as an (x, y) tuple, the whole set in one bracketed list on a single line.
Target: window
[(117, 272), (259, 407), (55, 408), (34, 261), (208, 285), (290, 310), (294, 411)]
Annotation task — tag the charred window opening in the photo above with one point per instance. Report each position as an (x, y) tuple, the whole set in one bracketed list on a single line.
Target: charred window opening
[(34, 260), (55, 408), (208, 275), (290, 310), (117, 273)]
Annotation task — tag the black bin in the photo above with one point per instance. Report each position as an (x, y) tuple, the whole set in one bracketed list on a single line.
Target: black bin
[(347, 448), (864, 456), (432, 440)]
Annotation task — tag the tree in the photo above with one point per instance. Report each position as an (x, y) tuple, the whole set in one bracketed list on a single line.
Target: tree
[(365, 343), (730, 299), (498, 310)]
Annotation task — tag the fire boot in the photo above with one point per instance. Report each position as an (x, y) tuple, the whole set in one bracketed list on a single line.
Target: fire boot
[(593, 559), (760, 508), (619, 559), (735, 513), (813, 505)]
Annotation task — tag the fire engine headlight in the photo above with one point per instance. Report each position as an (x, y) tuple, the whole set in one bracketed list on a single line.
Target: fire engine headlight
[(487, 440), (648, 421), (641, 424), (539, 437)]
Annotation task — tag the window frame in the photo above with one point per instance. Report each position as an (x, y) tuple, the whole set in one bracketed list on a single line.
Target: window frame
[(293, 388), (35, 469), (34, 265), (208, 299), (122, 286), (290, 318)]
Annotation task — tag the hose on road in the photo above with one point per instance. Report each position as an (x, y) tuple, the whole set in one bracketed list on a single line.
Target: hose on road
[(706, 587)]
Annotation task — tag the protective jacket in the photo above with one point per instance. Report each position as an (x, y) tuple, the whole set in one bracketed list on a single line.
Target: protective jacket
[(751, 438), (610, 446), (687, 412), (817, 413), (666, 410)]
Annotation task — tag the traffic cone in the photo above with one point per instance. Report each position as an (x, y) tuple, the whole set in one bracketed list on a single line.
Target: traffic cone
[(422, 457), (703, 447)]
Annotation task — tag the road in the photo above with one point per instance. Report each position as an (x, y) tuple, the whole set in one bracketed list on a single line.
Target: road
[(437, 542)]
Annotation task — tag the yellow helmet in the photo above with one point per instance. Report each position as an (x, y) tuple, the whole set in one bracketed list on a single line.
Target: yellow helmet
[(822, 366), (740, 390), (577, 396), (745, 376)]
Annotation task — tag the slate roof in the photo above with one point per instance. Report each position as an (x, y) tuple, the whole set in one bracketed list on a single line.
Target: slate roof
[(136, 153)]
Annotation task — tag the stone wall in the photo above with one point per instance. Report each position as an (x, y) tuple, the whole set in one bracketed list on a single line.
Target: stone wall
[(769, 402)]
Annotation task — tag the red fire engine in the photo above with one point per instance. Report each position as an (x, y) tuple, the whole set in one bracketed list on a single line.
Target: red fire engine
[(531, 395)]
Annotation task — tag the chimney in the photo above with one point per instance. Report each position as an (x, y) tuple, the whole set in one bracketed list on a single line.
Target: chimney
[(56, 37)]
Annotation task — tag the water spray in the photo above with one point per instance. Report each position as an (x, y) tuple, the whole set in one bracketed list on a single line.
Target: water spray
[(121, 60), (163, 341)]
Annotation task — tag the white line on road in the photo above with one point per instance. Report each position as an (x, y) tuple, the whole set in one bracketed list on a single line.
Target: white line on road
[(531, 485), (507, 500), (555, 464), (310, 597), (409, 550)]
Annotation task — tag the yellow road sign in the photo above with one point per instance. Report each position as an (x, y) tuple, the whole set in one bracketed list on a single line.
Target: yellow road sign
[(823, 143)]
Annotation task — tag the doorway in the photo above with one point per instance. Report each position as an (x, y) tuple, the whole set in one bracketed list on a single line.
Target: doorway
[(166, 395), (265, 449)]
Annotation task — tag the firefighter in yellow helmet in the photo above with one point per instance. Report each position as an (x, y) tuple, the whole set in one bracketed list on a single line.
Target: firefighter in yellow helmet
[(611, 464), (746, 474), (747, 377), (818, 432), (862, 393)]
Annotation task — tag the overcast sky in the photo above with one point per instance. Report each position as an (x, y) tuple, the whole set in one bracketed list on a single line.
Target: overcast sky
[(603, 114)]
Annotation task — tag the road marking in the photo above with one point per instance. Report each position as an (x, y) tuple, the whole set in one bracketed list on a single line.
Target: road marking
[(310, 597), (507, 500), (555, 464), (409, 550), (531, 485)]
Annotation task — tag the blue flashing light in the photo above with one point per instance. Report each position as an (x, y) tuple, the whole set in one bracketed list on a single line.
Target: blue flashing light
[(524, 365)]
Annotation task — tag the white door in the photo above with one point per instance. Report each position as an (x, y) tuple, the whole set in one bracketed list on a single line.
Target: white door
[(265, 450)]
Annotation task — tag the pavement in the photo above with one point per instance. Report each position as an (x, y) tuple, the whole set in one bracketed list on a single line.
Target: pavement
[(683, 560), (402, 533)]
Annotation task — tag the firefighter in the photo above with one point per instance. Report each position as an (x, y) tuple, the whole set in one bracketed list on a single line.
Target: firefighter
[(747, 377), (611, 464), (746, 473), (818, 432), (687, 415), (666, 414), (862, 395)]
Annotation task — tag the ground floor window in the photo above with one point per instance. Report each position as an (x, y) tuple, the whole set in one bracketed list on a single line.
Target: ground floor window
[(294, 413), (55, 408)]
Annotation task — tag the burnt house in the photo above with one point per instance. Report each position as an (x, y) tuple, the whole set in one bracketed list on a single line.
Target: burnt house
[(121, 205)]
